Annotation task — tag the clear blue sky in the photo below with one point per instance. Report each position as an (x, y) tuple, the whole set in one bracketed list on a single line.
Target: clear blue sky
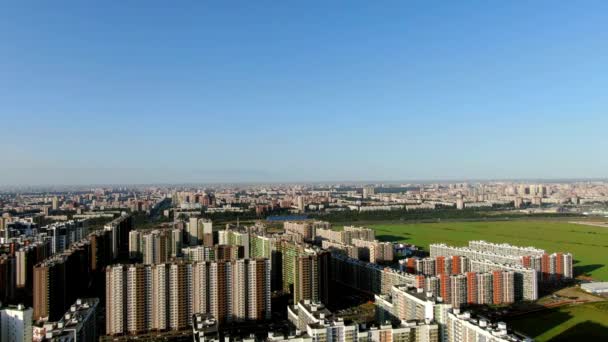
[(201, 91)]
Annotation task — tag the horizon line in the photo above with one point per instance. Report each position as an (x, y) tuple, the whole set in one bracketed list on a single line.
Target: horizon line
[(323, 182)]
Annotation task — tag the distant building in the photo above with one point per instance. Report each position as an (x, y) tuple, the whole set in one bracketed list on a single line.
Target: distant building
[(360, 233), (375, 251), (368, 191), (235, 238), (119, 230), (156, 246), (301, 204), (307, 229), (459, 202)]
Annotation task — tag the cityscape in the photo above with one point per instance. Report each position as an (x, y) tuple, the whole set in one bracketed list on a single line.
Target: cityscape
[(274, 262), (319, 171)]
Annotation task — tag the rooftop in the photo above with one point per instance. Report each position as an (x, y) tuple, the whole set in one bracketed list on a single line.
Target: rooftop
[(595, 286), (73, 319)]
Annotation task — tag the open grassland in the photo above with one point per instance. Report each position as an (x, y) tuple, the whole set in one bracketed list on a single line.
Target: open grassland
[(588, 244), (586, 322)]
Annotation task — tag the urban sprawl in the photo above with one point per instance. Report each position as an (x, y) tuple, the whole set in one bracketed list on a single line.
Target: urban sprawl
[(264, 263)]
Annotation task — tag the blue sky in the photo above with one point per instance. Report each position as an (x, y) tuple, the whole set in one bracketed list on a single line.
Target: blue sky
[(141, 92)]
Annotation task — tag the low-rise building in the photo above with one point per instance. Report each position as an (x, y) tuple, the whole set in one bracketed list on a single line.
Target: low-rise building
[(77, 324), (596, 287)]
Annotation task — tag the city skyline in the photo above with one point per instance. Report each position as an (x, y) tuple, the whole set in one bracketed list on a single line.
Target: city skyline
[(330, 183), (300, 262), (303, 171), (211, 93)]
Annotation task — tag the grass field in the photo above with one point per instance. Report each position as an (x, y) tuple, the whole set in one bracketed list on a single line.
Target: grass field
[(588, 244), (586, 322)]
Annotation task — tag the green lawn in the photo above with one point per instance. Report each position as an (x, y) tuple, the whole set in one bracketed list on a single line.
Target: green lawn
[(588, 244), (587, 322)]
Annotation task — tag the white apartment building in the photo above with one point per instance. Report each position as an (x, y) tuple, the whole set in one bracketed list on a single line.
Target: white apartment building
[(16, 324), (463, 327)]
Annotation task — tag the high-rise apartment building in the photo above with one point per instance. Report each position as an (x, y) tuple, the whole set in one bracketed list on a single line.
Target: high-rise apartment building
[(305, 271), (312, 276), (551, 267), (407, 303), (338, 236), (306, 229), (193, 237), (445, 287), (360, 233), (368, 191), (235, 238), (199, 253), (375, 251), (25, 258), (177, 242), (472, 288), (530, 265), (15, 324), (504, 248), (137, 303), (438, 265), (60, 280), (458, 290), (135, 252), (301, 204), (64, 234), (485, 288), (116, 296), (141, 298), (200, 231), (215, 253), (119, 229), (348, 250), (368, 277), (156, 246), (432, 285), (472, 254), (228, 252), (262, 246), (525, 283), (460, 202), (7, 278), (505, 280)]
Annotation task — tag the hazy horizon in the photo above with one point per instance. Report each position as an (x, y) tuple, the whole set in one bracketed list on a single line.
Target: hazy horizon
[(307, 182)]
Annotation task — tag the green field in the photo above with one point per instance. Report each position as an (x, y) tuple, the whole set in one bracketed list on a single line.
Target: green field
[(586, 322), (589, 245)]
